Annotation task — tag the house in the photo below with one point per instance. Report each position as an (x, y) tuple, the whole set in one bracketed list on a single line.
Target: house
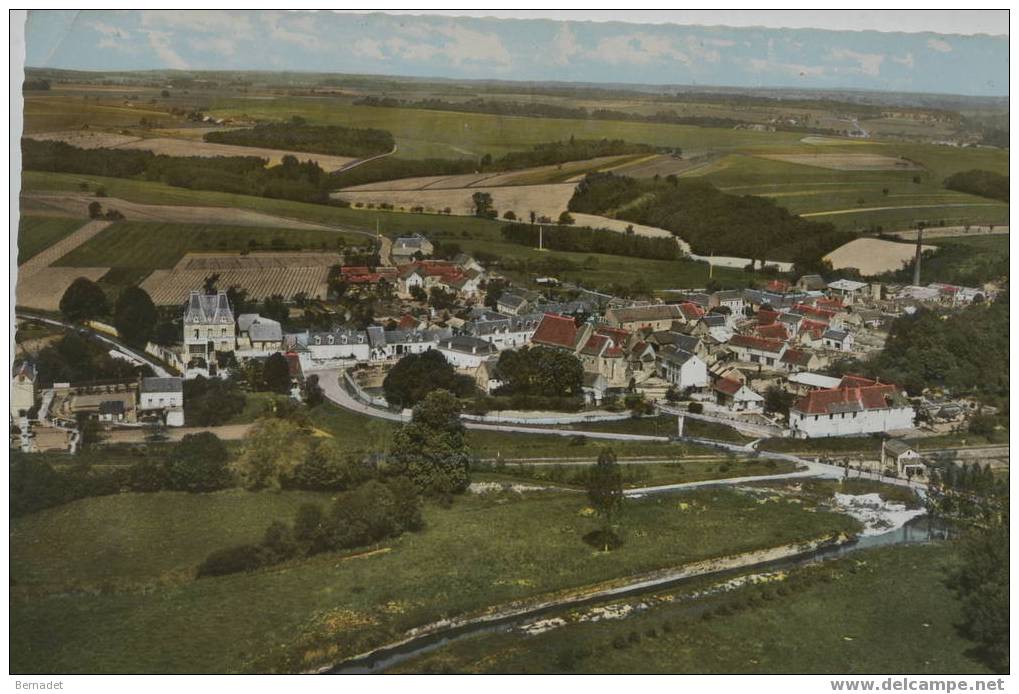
[(731, 300), (468, 263), (23, 379), (687, 343), (805, 381), (335, 344), (796, 360), (561, 332), (505, 332), (466, 352), (774, 331), (856, 406), (442, 274), (811, 283), (736, 396), (415, 246), (258, 334), (655, 316), (603, 353), (160, 393), (904, 459), (513, 303), (208, 327), (397, 343), (847, 290), (757, 350), (682, 369), (838, 340), (111, 411)]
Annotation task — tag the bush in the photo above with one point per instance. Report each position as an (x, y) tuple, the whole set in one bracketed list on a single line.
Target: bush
[(231, 560), (695, 408)]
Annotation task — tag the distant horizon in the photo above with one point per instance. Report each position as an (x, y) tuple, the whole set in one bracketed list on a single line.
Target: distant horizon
[(442, 47)]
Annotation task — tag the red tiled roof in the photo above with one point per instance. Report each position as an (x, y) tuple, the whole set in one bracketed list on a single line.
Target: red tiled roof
[(814, 327), (834, 304), (766, 316), (761, 344), (556, 330), (691, 310), (796, 356), (595, 345), (729, 386), (778, 285), (775, 331), (618, 335), (407, 322), (853, 393), (814, 311)]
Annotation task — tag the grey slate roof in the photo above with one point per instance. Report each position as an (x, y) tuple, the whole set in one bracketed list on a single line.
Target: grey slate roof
[(208, 308), (675, 356), (162, 385)]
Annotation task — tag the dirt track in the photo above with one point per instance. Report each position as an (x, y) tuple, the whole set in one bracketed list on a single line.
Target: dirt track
[(41, 286)]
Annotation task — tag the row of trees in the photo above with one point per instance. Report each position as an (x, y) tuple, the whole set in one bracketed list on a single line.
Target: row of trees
[(710, 220), (292, 179), (76, 359), (299, 136), (588, 240)]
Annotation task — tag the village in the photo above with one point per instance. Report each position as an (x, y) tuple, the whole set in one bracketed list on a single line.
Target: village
[(755, 360)]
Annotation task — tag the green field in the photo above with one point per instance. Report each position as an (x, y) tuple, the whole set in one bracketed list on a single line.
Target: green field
[(139, 538), (153, 245), (36, 234), (859, 615), (482, 551), (422, 133)]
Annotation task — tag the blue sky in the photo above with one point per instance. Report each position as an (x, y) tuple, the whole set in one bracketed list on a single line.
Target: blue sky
[(516, 49)]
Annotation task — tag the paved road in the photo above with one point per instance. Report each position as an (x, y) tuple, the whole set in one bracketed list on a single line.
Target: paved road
[(141, 356)]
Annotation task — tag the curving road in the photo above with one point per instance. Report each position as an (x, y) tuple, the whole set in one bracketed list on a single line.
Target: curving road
[(141, 356)]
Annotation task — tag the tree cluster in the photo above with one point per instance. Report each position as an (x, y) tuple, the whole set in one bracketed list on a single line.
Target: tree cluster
[(77, 359), (588, 240), (417, 375), (709, 220), (986, 184), (300, 137), (541, 371), (370, 513), (292, 179)]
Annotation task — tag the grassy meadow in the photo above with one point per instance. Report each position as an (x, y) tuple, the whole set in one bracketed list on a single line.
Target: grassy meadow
[(855, 615), (482, 551)]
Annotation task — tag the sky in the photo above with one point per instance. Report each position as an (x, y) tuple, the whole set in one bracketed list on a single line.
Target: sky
[(662, 47)]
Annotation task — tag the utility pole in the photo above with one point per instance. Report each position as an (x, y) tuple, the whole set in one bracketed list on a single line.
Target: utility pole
[(541, 238)]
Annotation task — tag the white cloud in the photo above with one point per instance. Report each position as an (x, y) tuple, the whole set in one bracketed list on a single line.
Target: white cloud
[(298, 30), (109, 30), (457, 44), (160, 42), (564, 46), (233, 24), (866, 63), (794, 69), (906, 60), (703, 49), (213, 44), (638, 49), (369, 48), (939, 45)]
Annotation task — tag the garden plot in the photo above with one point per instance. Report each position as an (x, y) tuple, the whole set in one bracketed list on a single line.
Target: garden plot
[(260, 275), (873, 256), (846, 161), (86, 139)]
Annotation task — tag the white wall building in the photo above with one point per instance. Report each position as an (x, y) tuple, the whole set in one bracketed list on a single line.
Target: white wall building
[(856, 406), (682, 369)]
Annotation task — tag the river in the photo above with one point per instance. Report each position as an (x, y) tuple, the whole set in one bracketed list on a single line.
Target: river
[(918, 530)]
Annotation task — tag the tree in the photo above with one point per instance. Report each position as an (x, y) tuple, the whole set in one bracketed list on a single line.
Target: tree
[(95, 210), (135, 316), (273, 450), (440, 299), (431, 450), (483, 204), (566, 218), (417, 375), (539, 371), (83, 300), (199, 463), (276, 374), (778, 400), (510, 215), (313, 393), (982, 582), (605, 492), (418, 293), (311, 532), (327, 467)]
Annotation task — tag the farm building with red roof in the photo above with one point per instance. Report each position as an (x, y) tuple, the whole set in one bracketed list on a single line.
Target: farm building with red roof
[(857, 405)]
